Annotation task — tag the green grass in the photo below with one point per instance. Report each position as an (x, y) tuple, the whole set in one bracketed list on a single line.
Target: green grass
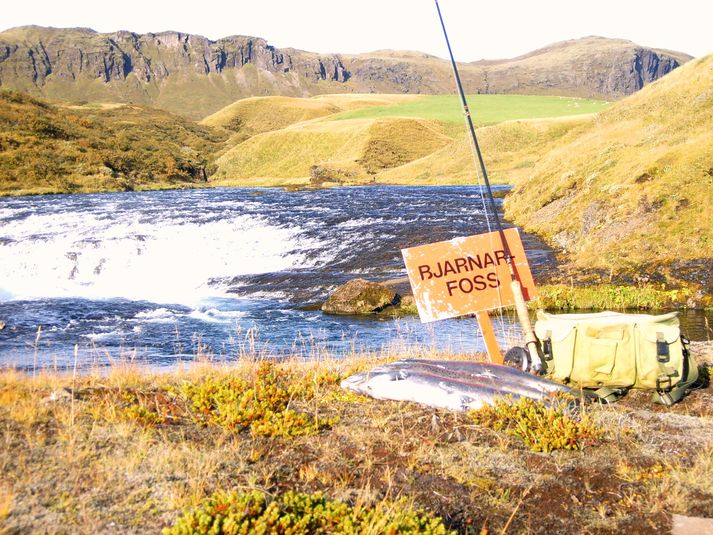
[(485, 109), (608, 297)]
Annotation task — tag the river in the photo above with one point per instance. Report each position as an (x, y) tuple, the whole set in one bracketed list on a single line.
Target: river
[(164, 277)]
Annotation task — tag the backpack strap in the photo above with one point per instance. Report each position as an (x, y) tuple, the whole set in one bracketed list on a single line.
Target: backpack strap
[(547, 346), (666, 394), (610, 395)]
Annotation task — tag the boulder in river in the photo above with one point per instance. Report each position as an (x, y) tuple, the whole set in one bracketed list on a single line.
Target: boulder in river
[(360, 296)]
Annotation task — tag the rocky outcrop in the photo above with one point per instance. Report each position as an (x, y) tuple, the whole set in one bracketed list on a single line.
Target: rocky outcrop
[(82, 53), (195, 76), (360, 296)]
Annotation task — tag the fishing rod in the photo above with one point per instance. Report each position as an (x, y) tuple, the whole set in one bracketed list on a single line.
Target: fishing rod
[(515, 284)]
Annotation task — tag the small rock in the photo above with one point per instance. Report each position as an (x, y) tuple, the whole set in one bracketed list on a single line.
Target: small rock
[(2, 325), (360, 296), (59, 395), (688, 525)]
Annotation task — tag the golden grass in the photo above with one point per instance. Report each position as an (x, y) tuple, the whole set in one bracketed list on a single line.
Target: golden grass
[(74, 456), (255, 115), (631, 191), (388, 149), (359, 148), (510, 151)]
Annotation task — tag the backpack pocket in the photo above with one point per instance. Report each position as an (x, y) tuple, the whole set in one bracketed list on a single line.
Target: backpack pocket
[(605, 356)]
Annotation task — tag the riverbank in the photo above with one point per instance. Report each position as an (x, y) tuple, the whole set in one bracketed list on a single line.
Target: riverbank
[(129, 450)]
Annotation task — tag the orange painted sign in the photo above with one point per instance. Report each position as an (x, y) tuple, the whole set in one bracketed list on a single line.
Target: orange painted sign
[(466, 275)]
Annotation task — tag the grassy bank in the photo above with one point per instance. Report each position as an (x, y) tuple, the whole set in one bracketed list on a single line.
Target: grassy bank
[(55, 148), (609, 297), (130, 451)]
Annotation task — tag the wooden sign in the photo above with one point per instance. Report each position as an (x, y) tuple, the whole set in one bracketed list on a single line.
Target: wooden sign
[(466, 275)]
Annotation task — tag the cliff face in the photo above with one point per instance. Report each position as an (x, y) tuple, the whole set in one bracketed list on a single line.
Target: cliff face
[(37, 53), (195, 76), (589, 67)]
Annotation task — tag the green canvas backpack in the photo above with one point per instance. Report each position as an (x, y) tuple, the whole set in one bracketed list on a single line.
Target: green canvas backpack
[(610, 353)]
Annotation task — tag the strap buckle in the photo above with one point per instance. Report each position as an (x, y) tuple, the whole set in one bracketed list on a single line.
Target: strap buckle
[(547, 346), (663, 354), (663, 383)]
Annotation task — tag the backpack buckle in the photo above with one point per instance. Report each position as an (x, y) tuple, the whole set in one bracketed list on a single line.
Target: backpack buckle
[(547, 346), (663, 354), (663, 383)]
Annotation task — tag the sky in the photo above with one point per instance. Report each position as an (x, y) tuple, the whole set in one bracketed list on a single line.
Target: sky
[(493, 29)]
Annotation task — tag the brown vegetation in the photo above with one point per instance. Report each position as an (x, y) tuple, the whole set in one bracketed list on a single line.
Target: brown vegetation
[(50, 148), (127, 451)]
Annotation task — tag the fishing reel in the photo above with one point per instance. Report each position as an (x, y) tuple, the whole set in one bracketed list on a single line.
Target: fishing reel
[(520, 357)]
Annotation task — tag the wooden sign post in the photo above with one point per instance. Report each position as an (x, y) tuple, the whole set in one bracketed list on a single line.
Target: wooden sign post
[(468, 276)]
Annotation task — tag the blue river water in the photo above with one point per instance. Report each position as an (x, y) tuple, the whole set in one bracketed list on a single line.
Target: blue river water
[(170, 276)]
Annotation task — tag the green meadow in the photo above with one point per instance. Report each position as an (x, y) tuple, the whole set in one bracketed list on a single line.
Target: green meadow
[(485, 109)]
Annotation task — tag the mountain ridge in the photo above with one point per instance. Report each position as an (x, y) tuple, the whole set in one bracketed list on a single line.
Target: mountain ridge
[(195, 76)]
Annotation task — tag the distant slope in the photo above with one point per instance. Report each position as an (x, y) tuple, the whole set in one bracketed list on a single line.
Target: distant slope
[(631, 194), (47, 148), (510, 150), (399, 139), (194, 76), (485, 109), (350, 151), (256, 115)]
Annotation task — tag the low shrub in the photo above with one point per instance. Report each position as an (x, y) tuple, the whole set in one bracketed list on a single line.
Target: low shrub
[(296, 514), (261, 405), (542, 428), (608, 297)]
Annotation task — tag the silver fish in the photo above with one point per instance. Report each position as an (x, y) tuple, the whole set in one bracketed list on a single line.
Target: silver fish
[(454, 385), (498, 375)]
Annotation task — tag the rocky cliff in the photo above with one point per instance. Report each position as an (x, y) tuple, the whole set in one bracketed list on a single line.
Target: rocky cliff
[(194, 76)]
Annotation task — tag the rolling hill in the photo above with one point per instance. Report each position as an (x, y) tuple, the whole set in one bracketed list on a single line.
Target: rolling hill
[(52, 148), (195, 77), (374, 138), (55, 147), (630, 195)]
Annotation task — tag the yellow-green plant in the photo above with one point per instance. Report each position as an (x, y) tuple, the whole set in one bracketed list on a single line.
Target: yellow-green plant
[(296, 514), (261, 405), (541, 427)]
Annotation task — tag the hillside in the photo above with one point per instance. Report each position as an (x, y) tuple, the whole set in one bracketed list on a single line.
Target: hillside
[(256, 115), (510, 150), (404, 139), (194, 76), (628, 196), (63, 148), (333, 151), (48, 148)]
